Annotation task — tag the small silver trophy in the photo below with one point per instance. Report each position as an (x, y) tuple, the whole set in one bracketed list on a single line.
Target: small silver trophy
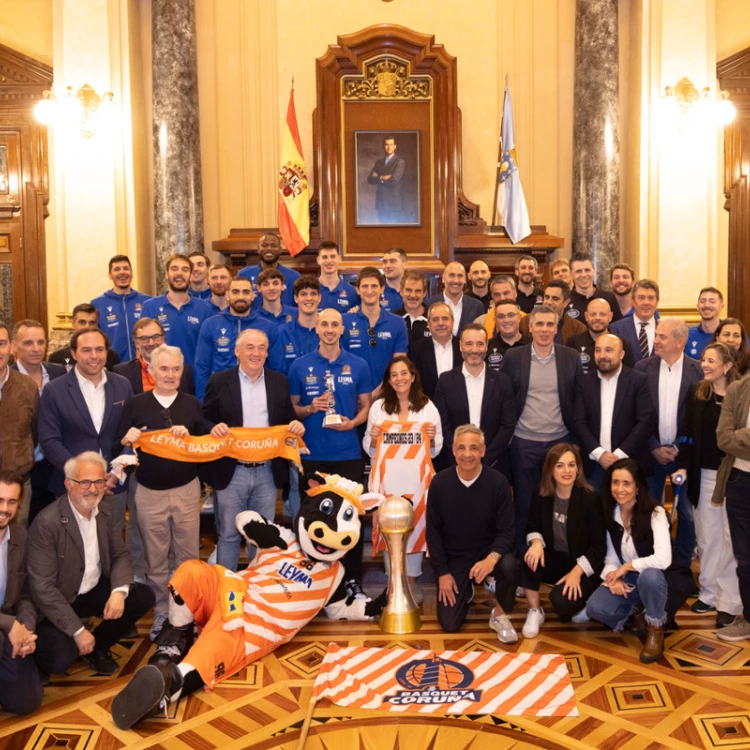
[(331, 418)]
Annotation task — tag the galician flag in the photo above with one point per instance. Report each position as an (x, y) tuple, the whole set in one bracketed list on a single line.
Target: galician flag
[(511, 205), (294, 190)]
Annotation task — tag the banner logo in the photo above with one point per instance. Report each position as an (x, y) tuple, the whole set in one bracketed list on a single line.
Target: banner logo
[(436, 680)]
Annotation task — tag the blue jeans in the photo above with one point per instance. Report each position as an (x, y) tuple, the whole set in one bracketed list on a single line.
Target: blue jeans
[(685, 541), (613, 609), (251, 488)]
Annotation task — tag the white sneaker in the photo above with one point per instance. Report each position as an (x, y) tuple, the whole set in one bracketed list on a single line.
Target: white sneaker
[(534, 621), (502, 625), (212, 558), (581, 617)]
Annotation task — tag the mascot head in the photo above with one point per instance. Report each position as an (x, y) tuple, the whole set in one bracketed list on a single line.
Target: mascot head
[(327, 525)]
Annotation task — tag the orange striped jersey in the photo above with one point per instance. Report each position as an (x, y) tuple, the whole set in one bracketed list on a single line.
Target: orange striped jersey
[(285, 590), (446, 682), (402, 466)]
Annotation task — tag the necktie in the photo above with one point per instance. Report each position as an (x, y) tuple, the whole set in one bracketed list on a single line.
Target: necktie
[(643, 341)]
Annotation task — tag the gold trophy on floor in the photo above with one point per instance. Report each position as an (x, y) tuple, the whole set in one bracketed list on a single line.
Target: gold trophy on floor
[(331, 417), (395, 523)]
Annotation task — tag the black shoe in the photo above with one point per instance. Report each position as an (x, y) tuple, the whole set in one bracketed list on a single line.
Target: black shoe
[(354, 589), (671, 624), (131, 633), (700, 607), (172, 644), (101, 662), (150, 687), (724, 618)]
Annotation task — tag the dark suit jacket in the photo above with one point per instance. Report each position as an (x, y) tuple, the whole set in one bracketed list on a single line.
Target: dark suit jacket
[(584, 527), (56, 560), (53, 370), (65, 358), (471, 310), (633, 417), (497, 419), (517, 366), (65, 426), (17, 604), (625, 329), (691, 373), (223, 403), (132, 371), (422, 353), (388, 193)]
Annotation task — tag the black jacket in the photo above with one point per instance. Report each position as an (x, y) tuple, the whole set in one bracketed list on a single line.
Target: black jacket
[(517, 366), (422, 353), (223, 403), (585, 345), (585, 528), (633, 417), (497, 419), (132, 371)]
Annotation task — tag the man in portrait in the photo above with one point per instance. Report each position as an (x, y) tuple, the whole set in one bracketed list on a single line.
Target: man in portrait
[(387, 174)]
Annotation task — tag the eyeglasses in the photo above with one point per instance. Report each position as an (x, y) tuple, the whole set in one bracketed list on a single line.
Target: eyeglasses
[(148, 339), (373, 340), (509, 316), (166, 415), (85, 484)]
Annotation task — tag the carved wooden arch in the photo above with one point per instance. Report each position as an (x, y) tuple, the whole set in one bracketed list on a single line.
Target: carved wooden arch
[(734, 77), (426, 60)]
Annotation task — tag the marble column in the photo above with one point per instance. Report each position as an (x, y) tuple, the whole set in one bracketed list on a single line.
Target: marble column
[(596, 136), (178, 198)]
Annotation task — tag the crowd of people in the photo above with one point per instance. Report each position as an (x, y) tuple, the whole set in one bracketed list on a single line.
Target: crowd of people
[(556, 413)]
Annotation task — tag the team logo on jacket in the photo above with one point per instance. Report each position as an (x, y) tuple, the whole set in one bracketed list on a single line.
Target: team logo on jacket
[(346, 370), (311, 379), (571, 312), (192, 319), (494, 357), (585, 358)]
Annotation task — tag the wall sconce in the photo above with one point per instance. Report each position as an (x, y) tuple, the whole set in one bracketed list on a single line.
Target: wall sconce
[(84, 106), (687, 100)]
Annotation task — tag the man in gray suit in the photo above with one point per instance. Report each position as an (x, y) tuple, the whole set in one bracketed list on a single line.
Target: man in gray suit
[(79, 568)]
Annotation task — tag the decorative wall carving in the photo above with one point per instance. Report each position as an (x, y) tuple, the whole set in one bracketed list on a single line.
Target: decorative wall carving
[(387, 79)]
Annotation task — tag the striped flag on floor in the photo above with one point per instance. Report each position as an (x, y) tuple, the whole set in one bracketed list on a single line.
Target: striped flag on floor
[(446, 682)]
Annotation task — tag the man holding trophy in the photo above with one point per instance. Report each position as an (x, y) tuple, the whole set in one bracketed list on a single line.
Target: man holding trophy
[(330, 390)]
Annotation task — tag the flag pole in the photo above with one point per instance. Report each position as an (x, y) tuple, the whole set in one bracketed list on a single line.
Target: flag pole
[(499, 158), (306, 724)]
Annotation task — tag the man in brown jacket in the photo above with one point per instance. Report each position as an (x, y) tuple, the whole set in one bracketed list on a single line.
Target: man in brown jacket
[(20, 683), (557, 296), (78, 568), (19, 403)]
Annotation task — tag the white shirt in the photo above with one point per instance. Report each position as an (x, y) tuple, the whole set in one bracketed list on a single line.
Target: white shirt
[(458, 308), (669, 399), (254, 400), (94, 396), (662, 556), (45, 374), (475, 391), (443, 356), (378, 415), (650, 330), (608, 391), (165, 401), (467, 482)]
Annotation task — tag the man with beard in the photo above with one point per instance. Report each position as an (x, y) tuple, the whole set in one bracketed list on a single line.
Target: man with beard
[(710, 304), (438, 353), (614, 413), (413, 292), (180, 315), (621, 279), (199, 286), (598, 317), (120, 308), (269, 250), (479, 278), (584, 289), (529, 295), (218, 279), (508, 334), (216, 342)]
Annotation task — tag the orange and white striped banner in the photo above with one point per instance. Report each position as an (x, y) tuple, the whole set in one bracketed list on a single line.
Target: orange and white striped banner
[(446, 682)]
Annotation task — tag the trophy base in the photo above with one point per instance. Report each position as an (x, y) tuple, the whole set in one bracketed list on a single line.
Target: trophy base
[(331, 419), (400, 622)]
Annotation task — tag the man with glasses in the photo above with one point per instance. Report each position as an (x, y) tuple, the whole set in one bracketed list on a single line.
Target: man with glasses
[(508, 334), (373, 333)]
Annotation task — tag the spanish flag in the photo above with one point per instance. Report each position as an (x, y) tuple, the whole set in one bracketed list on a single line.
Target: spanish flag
[(294, 191)]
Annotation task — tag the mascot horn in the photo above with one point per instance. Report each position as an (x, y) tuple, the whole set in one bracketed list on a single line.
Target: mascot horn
[(241, 617)]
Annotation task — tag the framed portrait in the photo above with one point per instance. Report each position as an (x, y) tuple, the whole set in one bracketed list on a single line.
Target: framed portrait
[(387, 178)]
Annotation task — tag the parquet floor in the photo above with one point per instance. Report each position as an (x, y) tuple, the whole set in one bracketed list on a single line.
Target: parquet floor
[(697, 696)]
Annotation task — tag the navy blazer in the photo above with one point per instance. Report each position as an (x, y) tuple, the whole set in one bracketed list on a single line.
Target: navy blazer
[(53, 370), (223, 403), (422, 354), (65, 426), (497, 419), (132, 371), (471, 310), (633, 417), (625, 329), (691, 373), (517, 366)]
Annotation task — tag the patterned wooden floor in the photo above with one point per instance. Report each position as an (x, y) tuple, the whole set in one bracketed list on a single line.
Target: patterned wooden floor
[(697, 696)]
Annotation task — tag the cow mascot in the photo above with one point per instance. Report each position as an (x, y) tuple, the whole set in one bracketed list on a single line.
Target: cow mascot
[(241, 617)]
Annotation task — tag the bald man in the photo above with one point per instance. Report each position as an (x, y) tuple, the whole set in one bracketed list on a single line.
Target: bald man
[(598, 316), (479, 279), (614, 413), (466, 309)]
